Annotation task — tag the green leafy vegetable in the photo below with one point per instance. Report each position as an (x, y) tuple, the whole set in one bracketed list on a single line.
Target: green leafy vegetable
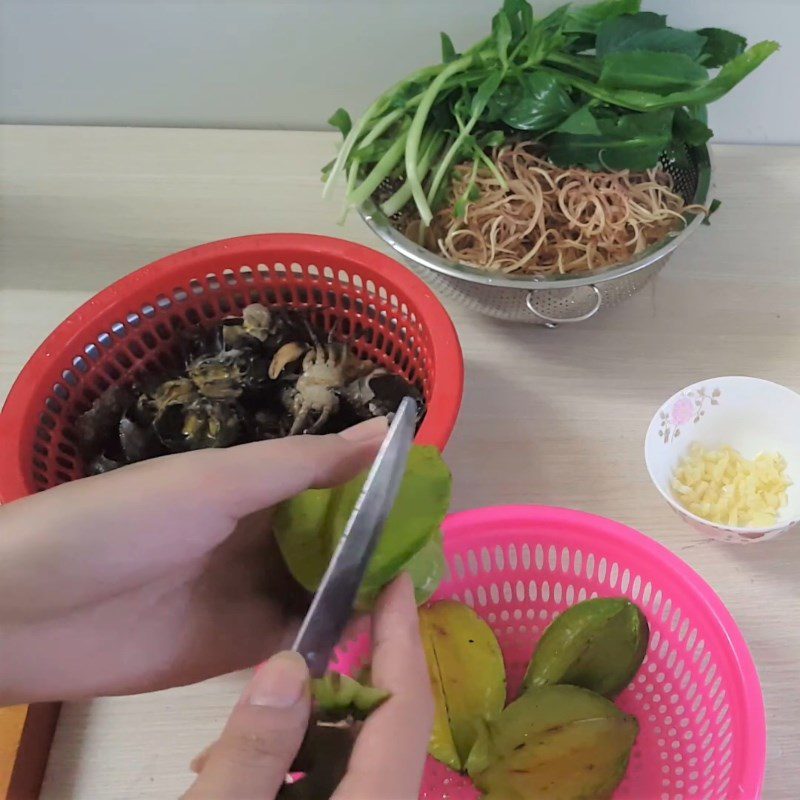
[(646, 32), (501, 31), (581, 123), (308, 527), (731, 74), (540, 105), (520, 16), (713, 206), (615, 35), (629, 141), (341, 119), (653, 72), (448, 50), (589, 18), (721, 46), (689, 129), (602, 86)]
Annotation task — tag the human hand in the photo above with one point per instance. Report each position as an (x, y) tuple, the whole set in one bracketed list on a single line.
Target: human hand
[(159, 574), (263, 734)]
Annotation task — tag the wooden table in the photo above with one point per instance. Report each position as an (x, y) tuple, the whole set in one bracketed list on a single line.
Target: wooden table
[(554, 417)]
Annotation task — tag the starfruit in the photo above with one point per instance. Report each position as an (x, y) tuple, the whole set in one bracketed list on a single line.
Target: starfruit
[(340, 704), (426, 568), (554, 743), (309, 526), (467, 674), (598, 644), (340, 697)]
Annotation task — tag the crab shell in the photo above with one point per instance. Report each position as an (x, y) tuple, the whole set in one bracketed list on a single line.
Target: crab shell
[(379, 393), (314, 397), (211, 423)]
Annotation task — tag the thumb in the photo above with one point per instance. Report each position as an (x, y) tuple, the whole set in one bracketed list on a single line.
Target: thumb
[(256, 749)]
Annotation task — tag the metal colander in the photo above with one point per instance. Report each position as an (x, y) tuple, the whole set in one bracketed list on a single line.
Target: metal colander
[(554, 301)]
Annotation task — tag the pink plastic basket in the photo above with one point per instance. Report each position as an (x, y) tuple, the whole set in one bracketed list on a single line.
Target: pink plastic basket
[(697, 696)]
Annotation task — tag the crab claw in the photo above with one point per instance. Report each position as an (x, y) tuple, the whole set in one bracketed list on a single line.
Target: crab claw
[(286, 354), (302, 422)]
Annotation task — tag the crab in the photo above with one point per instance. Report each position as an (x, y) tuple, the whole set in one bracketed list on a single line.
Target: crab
[(256, 324), (262, 374), (379, 393), (313, 397)]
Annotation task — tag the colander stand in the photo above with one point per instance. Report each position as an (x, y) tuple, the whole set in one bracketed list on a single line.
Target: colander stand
[(547, 307)]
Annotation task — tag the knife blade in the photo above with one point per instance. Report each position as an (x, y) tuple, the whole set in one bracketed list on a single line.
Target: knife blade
[(333, 602)]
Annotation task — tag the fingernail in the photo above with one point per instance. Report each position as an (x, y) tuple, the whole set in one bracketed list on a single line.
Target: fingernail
[(366, 431), (279, 682)]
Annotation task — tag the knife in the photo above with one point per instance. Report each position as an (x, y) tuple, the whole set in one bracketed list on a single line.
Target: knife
[(332, 605)]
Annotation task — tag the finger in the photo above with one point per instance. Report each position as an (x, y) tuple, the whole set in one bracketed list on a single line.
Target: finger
[(124, 527), (197, 764), (295, 464), (256, 749), (389, 754)]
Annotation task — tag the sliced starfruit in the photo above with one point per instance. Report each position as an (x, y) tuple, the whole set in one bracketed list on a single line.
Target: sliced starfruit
[(309, 526), (554, 743), (598, 644), (340, 697), (467, 675)]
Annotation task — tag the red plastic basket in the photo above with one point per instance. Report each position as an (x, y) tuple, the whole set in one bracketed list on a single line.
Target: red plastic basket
[(130, 329)]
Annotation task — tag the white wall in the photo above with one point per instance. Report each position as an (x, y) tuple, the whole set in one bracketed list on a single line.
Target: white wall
[(266, 63)]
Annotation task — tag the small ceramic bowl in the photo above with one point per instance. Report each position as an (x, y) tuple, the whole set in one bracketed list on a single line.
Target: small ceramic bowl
[(748, 414)]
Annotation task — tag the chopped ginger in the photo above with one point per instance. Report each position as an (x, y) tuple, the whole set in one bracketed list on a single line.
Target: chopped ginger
[(723, 487)]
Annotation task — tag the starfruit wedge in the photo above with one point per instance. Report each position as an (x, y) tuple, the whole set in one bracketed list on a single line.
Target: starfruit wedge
[(340, 697), (309, 526), (598, 644), (341, 703), (467, 675), (554, 743)]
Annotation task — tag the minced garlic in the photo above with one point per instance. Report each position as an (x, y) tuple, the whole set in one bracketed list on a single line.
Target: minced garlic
[(723, 487)]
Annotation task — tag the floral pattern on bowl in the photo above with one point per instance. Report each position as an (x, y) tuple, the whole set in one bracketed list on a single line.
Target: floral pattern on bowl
[(689, 407), (749, 414)]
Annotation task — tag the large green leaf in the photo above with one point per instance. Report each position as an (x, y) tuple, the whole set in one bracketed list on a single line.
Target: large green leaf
[(340, 119), (587, 19), (646, 32), (728, 77), (581, 123), (652, 72), (629, 141), (721, 46), (518, 13), (689, 129), (544, 35), (501, 32), (448, 50), (308, 527), (614, 34), (541, 104)]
